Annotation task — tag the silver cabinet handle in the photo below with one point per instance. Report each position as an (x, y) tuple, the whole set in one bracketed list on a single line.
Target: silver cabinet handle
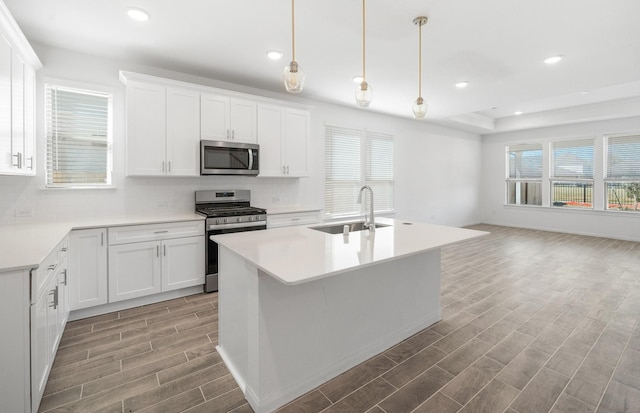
[(17, 156), (102, 238), (157, 250), (283, 170), (162, 166), (233, 134), (287, 169), (164, 250), (228, 134), (65, 277), (169, 168), (54, 294), (30, 159), (161, 232)]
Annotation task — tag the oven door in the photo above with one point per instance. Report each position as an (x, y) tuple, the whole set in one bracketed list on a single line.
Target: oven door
[(226, 158), (211, 253)]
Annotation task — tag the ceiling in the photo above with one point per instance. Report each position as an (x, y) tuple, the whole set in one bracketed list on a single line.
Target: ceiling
[(497, 45)]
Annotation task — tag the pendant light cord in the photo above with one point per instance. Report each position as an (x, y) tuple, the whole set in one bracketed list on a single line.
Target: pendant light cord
[(420, 59), (293, 31), (363, 42)]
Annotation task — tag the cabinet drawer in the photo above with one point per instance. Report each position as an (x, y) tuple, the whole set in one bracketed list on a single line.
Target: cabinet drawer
[(291, 219), (40, 276), (155, 232)]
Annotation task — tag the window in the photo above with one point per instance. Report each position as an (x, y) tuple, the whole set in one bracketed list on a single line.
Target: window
[(572, 173), (524, 174), (78, 130), (354, 158), (623, 172)]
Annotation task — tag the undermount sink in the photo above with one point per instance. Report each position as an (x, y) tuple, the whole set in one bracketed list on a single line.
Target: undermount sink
[(339, 228)]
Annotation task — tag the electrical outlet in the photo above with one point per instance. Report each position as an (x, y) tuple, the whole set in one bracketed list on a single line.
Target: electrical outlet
[(24, 212)]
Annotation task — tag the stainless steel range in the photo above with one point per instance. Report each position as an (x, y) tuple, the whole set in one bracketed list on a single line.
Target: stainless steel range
[(226, 211)]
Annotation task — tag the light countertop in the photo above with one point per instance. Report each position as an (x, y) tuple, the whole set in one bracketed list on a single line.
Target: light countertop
[(290, 210), (25, 246), (294, 255)]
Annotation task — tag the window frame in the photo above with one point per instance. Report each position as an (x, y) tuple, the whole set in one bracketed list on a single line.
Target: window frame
[(365, 137), (522, 180), (91, 89), (576, 180), (617, 180)]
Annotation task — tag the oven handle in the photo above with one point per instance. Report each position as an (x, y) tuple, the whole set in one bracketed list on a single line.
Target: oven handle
[(214, 227)]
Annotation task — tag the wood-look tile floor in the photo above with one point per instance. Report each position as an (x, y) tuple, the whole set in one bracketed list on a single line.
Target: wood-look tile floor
[(533, 322)]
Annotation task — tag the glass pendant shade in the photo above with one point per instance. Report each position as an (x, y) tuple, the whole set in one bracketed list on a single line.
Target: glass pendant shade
[(419, 108), (293, 78), (364, 94)]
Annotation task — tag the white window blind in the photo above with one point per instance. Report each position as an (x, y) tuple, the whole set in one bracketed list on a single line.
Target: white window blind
[(572, 159), (354, 158), (78, 130), (525, 161), (379, 169), (623, 157)]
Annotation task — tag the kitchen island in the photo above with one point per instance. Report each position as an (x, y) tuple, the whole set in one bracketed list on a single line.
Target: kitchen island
[(299, 306)]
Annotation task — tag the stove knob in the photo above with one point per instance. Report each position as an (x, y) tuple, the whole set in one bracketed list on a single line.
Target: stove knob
[(225, 220), (217, 221), (238, 219), (252, 218)]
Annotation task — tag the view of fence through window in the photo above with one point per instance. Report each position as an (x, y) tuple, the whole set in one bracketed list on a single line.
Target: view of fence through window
[(572, 181)]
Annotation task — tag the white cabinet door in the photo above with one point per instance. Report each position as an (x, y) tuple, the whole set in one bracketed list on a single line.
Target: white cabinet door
[(182, 263), (214, 117), (52, 295), (270, 121), (5, 105), (134, 270), (63, 297), (146, 133), (39, 346), (242, 119), (29, 165), (17, 112), (227, 119), (295, 141), (87, 268), (183, 132)]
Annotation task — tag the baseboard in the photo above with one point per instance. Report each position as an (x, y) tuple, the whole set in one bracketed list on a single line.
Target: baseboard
[(134, 302)]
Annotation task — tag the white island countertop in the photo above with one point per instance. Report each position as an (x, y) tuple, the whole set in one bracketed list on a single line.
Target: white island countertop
[(295, 255)]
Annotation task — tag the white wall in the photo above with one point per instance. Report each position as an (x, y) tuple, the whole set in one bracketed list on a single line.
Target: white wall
[(423, 152), (622, 225)]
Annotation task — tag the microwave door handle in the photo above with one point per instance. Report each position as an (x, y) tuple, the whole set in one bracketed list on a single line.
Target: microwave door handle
[(250, 159)]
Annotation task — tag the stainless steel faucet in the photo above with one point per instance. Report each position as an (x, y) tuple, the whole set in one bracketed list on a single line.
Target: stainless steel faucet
[(369, 223)]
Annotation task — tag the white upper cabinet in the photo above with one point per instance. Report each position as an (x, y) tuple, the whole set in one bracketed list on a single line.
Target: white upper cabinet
[(283, 138), (224, 118), (18, 64), (162, 130)]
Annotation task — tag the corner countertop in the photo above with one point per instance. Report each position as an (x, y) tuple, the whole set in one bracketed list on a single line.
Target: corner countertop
[(25, 246), (295, 255)]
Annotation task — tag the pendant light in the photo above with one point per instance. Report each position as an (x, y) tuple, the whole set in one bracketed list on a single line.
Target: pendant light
[(293, 74), (363, 91), (419, 106)]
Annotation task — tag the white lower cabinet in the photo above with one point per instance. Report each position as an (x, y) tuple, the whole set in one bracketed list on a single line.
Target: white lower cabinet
[(49, 314), (163, 263), (87, 268), (134, 270), (290, 219)]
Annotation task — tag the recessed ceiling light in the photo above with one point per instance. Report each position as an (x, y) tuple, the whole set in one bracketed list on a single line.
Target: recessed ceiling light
[(462, 85), (138, 14), (553, 59), (517, 113), (274, 54), (357, 79)]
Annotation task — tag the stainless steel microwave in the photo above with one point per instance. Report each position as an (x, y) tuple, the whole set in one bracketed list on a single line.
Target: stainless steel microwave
[(229, 158)]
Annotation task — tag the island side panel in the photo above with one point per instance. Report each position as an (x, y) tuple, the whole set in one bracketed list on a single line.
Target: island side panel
[(312, 332), (237, 283)]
